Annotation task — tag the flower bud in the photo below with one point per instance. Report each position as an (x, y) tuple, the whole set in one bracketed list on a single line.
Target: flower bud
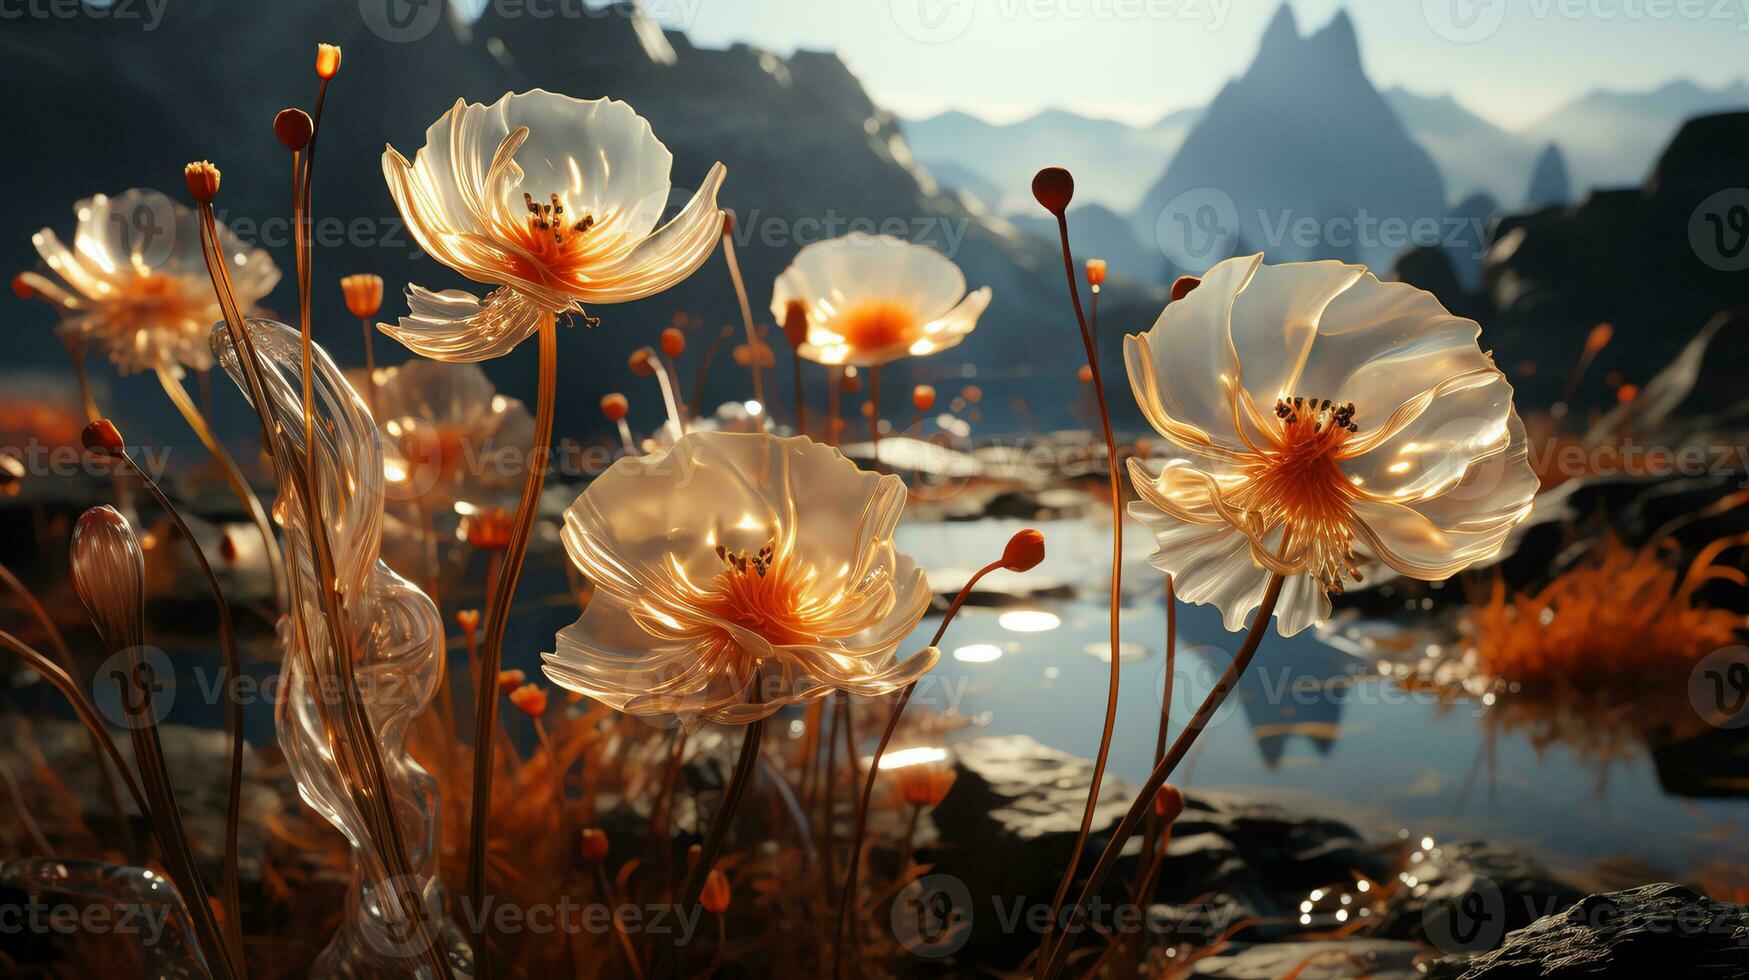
[(715, 896), (795, 323), (642, 362), (1095, 272), (109, 575), (1168, 804), (673, 342), (469, 621), (592, 844), (530, 699), (364, 294), (293, 127), (22, 288), (972, 393), (1053, 187), (614, 406), (327, 60), (923, 396), (510, 680), (101, 438), (489, 530), (1085, 374), (1182, 286), (1025, 550), (926, 783), (203, 180)]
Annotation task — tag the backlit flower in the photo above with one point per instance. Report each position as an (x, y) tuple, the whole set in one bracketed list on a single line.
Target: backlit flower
[(453, 438), (734, 554), (870, 299), (553, 200), (1320, 421), (134, 284)]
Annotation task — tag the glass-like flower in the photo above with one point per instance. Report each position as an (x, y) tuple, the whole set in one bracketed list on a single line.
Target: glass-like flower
[(553, 200), (1320, 422), (870, 299), (735, 555), (134, 283), (455, 439)]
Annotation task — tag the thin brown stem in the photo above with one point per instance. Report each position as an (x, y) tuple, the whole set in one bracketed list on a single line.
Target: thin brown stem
[(497, 618), (719, 826), (32, 829), (233, 474), (233, 705), (1165, 715), (1144, 801), (1104, 753), (746, 314), (370, 367), (801, 403), (111, 792), (605, 886), (874, 766)]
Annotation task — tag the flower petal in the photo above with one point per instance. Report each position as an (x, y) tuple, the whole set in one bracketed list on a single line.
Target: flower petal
[(665, 258), (454, 325), (1213, 565)]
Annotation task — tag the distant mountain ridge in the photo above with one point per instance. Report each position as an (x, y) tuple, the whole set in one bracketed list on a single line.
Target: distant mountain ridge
[(1113, 161), (1300, 157)]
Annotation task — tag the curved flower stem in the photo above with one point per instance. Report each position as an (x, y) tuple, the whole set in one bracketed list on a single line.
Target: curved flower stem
[(874, 415), (801, 403), (497, 618), (233, 705), (1165, 721), (746, 313), (609, 898), (74, 692), (234, 478), (1144, 801), (32, 829), (370, 366), (111, 791), (719, 826), (1104, 753), (874, 767)]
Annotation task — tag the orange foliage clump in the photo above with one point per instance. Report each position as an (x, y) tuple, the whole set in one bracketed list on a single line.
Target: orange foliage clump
[(1620, 617)]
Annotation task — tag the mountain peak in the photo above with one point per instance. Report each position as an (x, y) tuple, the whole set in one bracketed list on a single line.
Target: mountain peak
[(1282, 34), (1337, 40)]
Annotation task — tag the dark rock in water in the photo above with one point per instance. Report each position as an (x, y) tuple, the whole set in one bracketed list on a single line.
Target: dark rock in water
[(1655, 262), (1549, 184), (1468, 894), (1007, 828), (1653, 930), (1713, 764), (1378, 959)]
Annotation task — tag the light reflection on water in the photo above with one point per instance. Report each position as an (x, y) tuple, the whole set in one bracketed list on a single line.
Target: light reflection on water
[(1310, 725)]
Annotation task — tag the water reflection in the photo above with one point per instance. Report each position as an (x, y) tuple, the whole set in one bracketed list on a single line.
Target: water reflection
[(1327, 724)]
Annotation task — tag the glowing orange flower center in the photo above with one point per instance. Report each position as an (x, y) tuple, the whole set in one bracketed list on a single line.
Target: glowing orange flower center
[(763, 594), (1296, 481), (878, 325), (557, 244), (149, 301)]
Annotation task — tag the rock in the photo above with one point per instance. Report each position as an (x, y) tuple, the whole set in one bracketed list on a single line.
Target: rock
[(1653, 930), (1467, 895), (1378, 959)]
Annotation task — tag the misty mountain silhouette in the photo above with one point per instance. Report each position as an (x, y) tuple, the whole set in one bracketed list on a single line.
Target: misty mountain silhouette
[(1114, 162), (1303, 134)]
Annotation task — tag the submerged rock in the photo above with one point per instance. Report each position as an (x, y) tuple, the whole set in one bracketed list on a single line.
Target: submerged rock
[(1377, 959), (1653, 930)]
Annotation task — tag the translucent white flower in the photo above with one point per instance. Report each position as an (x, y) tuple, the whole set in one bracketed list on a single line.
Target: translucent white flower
[(870, 299), (1320, 421), (134, 284), (553, 200), (734, 553), (453, 439)]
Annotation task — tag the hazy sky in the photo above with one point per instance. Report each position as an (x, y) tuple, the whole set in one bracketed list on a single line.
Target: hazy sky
[(1509, 60)]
